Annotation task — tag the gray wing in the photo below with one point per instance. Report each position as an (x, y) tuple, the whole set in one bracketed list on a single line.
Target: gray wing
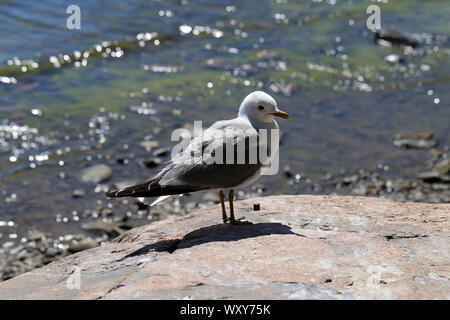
[(198, 166), (220, 158)]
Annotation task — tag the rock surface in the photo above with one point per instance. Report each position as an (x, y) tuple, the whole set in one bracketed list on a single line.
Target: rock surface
[(298, 247)]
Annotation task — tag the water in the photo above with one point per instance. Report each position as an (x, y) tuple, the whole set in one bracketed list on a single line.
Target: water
[(68, 98)]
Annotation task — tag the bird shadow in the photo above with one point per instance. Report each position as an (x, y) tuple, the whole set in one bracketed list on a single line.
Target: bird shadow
[(214, 233)]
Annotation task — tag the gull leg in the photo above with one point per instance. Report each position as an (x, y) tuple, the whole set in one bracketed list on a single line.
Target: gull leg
[(224, 213), (233, 220)]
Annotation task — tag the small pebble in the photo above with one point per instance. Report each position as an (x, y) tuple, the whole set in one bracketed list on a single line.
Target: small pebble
[(78, 193), (161, 152), (153, 162)]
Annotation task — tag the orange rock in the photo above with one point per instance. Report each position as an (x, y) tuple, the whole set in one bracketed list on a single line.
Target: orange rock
[(298, 247)]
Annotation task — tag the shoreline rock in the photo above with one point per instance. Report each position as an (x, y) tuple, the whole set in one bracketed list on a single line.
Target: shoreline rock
[(96, 173), (299, 247)]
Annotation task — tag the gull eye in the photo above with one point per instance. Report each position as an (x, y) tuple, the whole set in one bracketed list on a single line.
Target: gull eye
[(261, 107)]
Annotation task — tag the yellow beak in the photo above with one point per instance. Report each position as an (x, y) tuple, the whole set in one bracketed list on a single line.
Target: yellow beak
[(282, 114)]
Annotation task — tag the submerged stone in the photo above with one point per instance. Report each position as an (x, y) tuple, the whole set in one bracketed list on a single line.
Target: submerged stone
[(96, 173)]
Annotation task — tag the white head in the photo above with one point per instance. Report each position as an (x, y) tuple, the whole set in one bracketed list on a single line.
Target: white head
[(261, 107)]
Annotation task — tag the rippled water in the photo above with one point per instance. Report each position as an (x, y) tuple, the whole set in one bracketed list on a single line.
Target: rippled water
[(73, 97)]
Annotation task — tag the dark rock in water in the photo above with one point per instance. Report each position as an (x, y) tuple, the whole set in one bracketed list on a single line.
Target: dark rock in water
[(430, 176), (395, 38), (123, 160), (154, 162), (414, 143), (96, 173), (410, 135), (149, 145), (78, 193), (433, 186), (440, 186), (106, 212), (211, 197), (190, 206), (142, 109), (288, 172), (350, 179), (161, 152)]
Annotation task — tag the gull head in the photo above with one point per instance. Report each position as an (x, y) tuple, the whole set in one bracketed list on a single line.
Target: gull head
[(261, 107)]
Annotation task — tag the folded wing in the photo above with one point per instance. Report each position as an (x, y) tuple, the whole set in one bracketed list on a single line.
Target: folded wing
[(198, 166)]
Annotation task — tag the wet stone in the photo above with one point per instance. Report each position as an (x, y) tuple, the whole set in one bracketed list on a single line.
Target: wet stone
[(414, 143), (106, 212), (78, 193), (149, 145), (123, 160), (84, 244), (112, 229), (141, 205), (395, 38), (96, 173), (443, 167), (36, 235), (51, 252), (430, 176), (162, 152), (211, 197), (287, 171), (152, 163)]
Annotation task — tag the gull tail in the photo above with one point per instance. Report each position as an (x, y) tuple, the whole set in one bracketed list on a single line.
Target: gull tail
[(151, 188)]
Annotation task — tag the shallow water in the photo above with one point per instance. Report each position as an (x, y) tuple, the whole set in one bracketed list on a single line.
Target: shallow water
[(69, 97)]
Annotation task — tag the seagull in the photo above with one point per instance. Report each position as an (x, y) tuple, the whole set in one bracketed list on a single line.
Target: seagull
[(213, 160)]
